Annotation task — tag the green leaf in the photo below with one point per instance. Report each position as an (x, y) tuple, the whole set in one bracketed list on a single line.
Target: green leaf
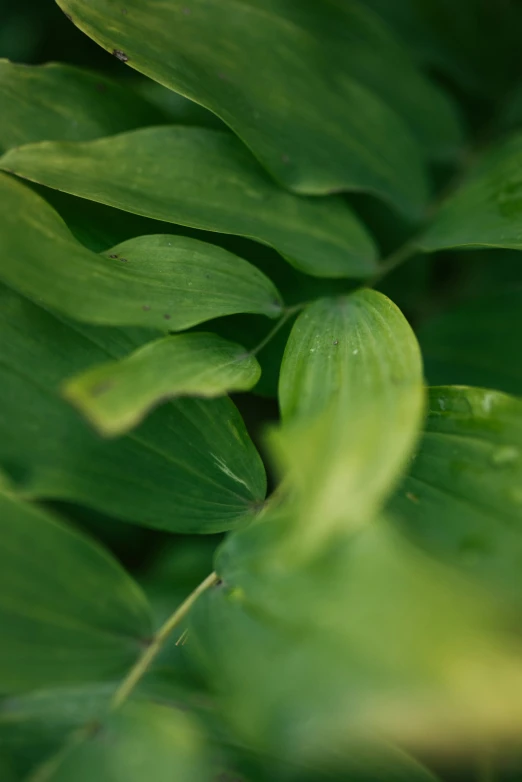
[(462, 498), (190, 467), (165, 282), (57, 102), (34, 725), (204, 179), (476, 342), (351, 396), (319, 118), (69, 612), (178, 109), (141, 741), (117, 395), (368, 644), (485, 210)]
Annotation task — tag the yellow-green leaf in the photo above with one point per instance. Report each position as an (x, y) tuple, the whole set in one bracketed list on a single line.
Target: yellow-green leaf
[(116, 396), (351, 395)]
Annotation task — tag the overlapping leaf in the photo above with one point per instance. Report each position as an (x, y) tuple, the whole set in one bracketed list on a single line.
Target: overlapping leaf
[(370, 643), (351, 395), (462, 498), (476, 343), (485, 211), (141, 740), (116, 396), (204, 179), (319, 118), (190, 467), (166, 282), (63, 103), (35, 725), (69, 612)]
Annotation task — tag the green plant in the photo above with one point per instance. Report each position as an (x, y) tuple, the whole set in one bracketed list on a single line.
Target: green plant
[(305, 161)]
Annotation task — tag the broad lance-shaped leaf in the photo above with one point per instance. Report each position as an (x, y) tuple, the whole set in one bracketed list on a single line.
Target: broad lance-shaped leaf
[(117, 395), (369, 643), (462, 498), (140, 741), (190, 467), (313, 119), (204, 179), (165, 282), (57, 102), (68, 610), (476, 342), (351, 396), (486, 211)]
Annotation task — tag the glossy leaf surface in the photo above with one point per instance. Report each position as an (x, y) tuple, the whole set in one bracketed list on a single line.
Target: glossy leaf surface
[(351, 396), (164, 282), (57, 102), (190, 467), (319, 118), (462, 498), (204, 179), (485, 211), (117, 395), (69, 612), (370, 642)]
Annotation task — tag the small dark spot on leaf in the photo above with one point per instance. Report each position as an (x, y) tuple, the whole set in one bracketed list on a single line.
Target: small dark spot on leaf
[(412, 497), (101, 87), (219, 582), (101, 388), (124, 11), (207, 276), (124, 260), (167, 317), (69, 17), (146, 307), (114, 255), (336, 341), (120, 55)]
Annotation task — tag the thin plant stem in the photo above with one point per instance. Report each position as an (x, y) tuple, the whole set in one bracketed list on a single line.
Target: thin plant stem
[(141, 667), (45, 772), (285, 317), (392, 262)]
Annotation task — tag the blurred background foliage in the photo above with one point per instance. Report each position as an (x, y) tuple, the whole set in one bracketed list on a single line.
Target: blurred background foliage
[(472, 48)]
